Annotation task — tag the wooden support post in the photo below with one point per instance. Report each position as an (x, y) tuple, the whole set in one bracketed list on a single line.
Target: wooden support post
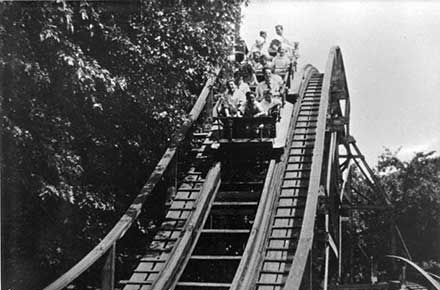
[(399, 234), (331, 210), (340, 251), (311, 269), (327, 254), (108, 270), (403, 282), (393, 245), (210, 106)]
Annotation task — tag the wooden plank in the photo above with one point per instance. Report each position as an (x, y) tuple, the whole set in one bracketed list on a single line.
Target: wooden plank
[(303, 144), (215, 258), (182, 209), (274, 272), (204, 284), (108, 270), (299, 183), (146, 271), (298, 166), (235, 203), (238, 195), (294, 187), (286, 193), (291, 212), (131, 282), (152, 260), (246, 140), (226, 231), (271, 283), (184, 199)]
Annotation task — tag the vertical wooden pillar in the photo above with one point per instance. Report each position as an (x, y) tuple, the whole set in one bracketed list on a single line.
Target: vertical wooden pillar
[(393, 245), (311, 269), (108, 270), (340, 251), (327, 253), (210, 105), (403, 282)]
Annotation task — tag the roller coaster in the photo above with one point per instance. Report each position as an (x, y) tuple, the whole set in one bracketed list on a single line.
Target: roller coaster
[(252, 211)]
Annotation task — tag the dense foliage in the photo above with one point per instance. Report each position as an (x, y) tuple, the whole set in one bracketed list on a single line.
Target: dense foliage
[(91, 93), (414, 188), (414, 191)]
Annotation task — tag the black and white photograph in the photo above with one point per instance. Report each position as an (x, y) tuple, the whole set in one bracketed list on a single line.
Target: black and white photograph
[(220, 145)]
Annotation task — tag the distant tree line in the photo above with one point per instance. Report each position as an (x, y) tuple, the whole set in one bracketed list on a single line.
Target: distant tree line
[(91, 92)]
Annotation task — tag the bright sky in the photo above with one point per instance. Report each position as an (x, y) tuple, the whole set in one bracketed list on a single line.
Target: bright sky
[(391, 53)]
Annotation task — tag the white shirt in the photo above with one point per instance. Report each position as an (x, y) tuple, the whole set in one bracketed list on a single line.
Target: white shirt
[(276, 82), (238, 98), (265, 106), (244, 87)]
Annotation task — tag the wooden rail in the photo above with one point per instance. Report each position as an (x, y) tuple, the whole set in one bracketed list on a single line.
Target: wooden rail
[(259, 230), (305, 242), (126, 221), (248, 267), (182, 251)]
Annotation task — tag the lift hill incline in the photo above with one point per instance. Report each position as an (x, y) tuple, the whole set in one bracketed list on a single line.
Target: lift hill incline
[(248, 211)]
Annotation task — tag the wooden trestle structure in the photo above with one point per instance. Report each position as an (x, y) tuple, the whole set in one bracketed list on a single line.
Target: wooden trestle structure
[(244, 216)]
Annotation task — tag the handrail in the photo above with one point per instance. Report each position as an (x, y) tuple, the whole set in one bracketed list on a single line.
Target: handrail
[(304, 245), (253, 253), (135, 208), (420, 270), (182, 251)]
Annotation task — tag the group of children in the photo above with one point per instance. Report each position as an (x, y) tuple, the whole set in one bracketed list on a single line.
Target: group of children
[(244, 95)]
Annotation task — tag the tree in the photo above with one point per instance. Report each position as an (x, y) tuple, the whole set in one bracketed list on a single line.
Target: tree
[(91, 94), (414, 190)]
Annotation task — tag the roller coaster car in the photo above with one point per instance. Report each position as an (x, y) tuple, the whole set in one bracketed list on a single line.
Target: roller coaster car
[(241, 129), (268, 132)]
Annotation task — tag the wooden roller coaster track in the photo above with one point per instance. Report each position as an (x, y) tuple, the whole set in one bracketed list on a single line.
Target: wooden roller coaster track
[(251, 220)]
